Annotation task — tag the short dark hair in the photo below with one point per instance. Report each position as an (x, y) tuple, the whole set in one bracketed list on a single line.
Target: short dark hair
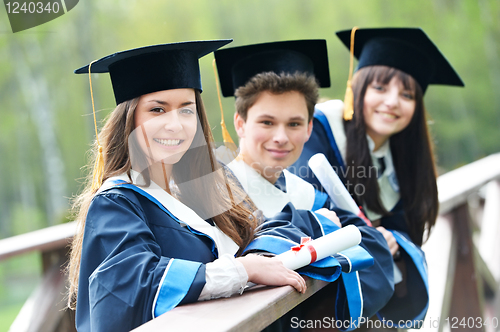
[(303, 83)]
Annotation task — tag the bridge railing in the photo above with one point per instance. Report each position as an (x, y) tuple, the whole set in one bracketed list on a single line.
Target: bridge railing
[(463, 256), (463, 251), (44, 309)]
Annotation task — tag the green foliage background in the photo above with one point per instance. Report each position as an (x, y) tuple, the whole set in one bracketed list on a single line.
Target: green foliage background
[(46, 125)]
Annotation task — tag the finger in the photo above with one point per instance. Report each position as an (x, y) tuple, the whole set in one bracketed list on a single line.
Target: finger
[(392, 240), (294, 282), (301, 285), (395, 249), (392, 247), (299, 282)]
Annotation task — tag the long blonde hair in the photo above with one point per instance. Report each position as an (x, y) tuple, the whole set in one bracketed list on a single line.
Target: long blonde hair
[(237, 221)]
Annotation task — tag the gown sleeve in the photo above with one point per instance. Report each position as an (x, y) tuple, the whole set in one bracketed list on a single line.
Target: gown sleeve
[(410, 301), (370, 288), (285, 230), (124, 279)]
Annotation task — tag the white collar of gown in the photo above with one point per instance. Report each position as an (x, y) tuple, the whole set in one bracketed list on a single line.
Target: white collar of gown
[(269, 199), (185, 215)]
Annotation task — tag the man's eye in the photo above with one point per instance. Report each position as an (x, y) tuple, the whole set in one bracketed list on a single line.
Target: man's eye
[(294, 124), (267, 123)]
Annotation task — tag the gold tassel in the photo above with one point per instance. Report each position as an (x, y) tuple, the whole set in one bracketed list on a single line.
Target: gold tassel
[(226, 137), (98, 171), (348, 102), (349, 96)]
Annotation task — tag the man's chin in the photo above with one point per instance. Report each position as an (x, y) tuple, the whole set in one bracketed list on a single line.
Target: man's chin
[(275, 168)]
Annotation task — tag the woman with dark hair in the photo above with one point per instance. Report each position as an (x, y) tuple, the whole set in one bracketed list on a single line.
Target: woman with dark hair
[(379, 145), (160, 222)]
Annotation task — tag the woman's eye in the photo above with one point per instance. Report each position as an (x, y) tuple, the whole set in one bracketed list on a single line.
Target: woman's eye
[(157, 110), (407, 95), (378, 87), (187, 111)]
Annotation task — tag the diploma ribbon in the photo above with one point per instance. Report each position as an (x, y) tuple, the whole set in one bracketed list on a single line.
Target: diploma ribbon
[(363, 216), (303, 243)]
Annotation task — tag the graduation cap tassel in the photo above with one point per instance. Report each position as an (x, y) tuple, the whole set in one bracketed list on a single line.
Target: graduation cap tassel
[(348, 102), (349, 96), (226, 137), (99, 161)]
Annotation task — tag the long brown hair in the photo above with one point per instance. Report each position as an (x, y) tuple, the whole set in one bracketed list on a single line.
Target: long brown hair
[(204, 197), (411, 150)]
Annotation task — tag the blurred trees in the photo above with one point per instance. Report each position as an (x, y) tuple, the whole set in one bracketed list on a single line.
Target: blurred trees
[(46, 122)]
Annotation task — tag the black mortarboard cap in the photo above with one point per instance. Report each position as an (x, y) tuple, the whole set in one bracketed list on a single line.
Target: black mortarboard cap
[(407, 49), (154, 68), (237, 65)]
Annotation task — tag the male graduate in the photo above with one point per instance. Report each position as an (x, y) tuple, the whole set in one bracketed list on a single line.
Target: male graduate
[(276, 88)]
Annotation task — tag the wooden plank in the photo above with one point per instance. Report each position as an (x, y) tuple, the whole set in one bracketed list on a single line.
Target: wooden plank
[(456, 185), (46, 239), (489, 246), (489, 249), (252, 311), (44, 309), (489, 281), (467, 298), (440, 252)]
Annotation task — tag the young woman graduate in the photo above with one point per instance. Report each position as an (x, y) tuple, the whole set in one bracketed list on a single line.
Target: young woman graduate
[(379, 145), (165, 226), (276, 88)]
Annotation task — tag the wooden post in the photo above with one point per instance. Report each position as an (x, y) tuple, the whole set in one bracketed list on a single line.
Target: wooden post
[(467, 299)]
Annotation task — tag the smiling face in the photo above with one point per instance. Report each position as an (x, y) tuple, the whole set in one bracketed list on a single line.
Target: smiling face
[(274, 133), (388, 109), (166, 123)]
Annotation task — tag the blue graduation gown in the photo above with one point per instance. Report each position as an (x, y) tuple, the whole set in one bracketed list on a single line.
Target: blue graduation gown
[(413, 306), (139, 260), (128, 244), (363, 288), (363, 293)]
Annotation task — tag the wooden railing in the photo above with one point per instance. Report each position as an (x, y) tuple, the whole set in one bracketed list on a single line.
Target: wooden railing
[(463, 256), (44, 309), (463, 251)]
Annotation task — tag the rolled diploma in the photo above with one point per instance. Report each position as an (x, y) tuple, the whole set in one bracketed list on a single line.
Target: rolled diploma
[(332, 184), (324, 246)]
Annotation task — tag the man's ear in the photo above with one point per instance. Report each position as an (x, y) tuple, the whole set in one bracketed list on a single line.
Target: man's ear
[(309, 129), (239, 125)]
